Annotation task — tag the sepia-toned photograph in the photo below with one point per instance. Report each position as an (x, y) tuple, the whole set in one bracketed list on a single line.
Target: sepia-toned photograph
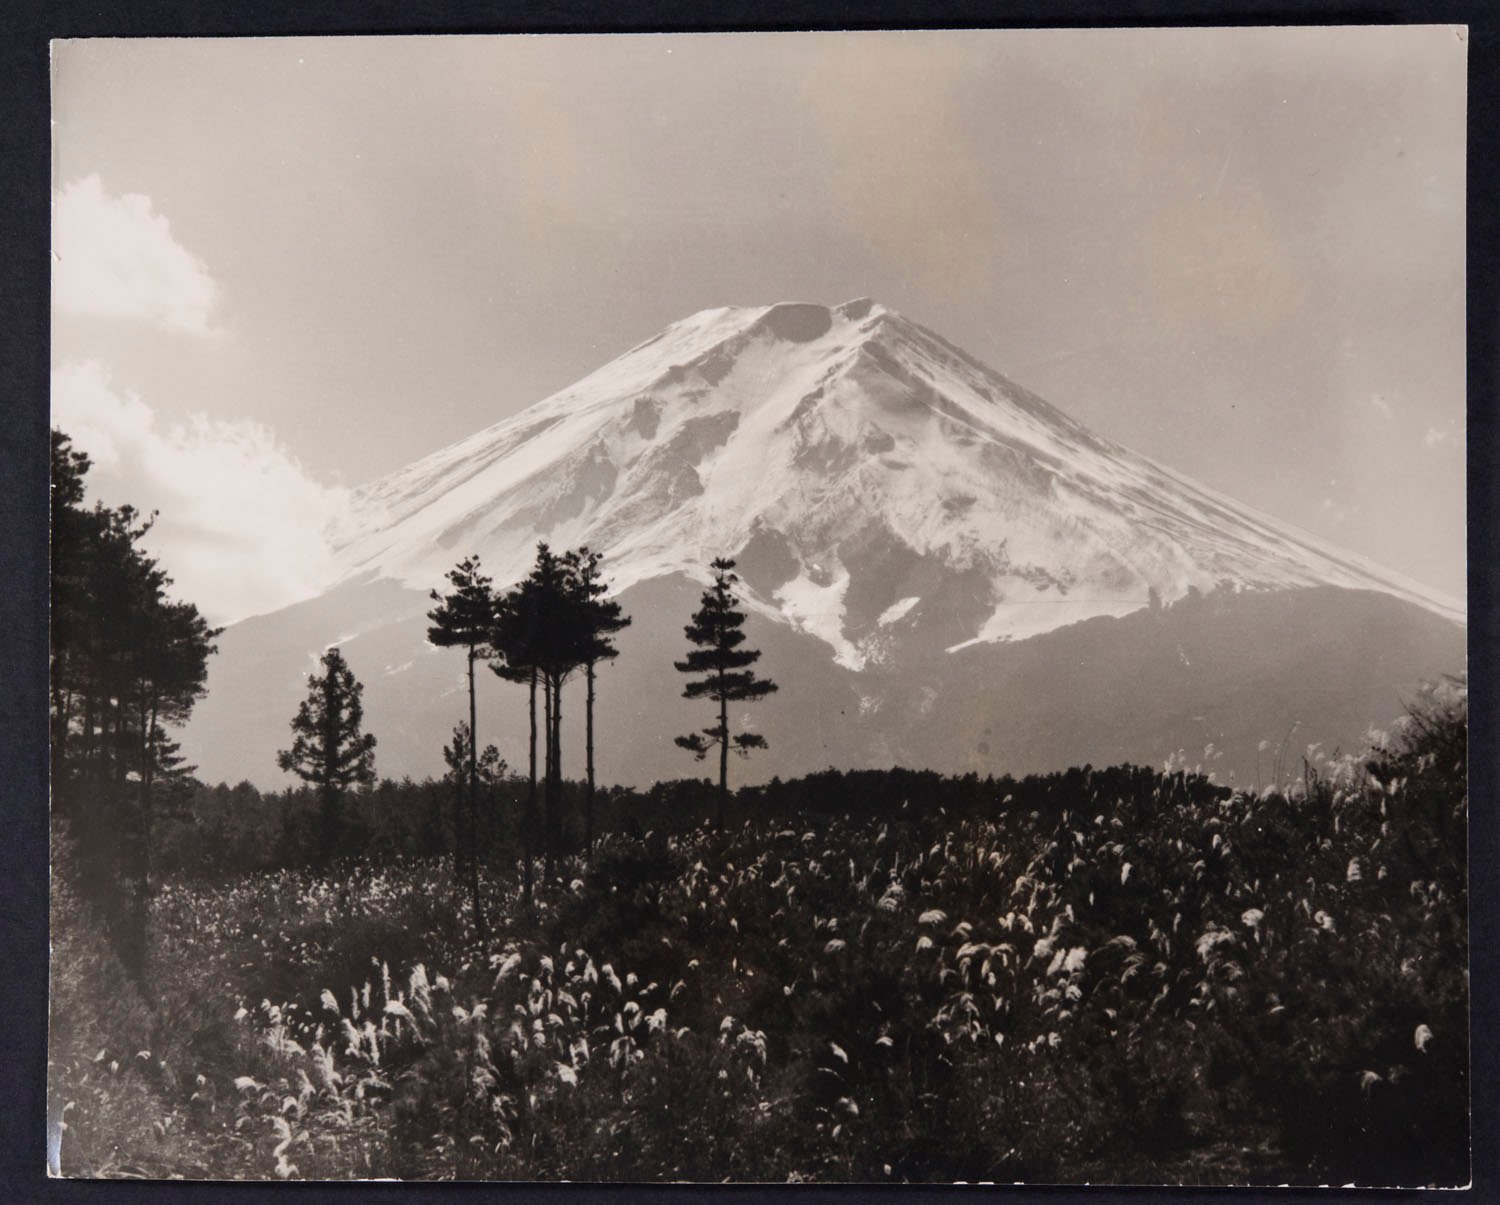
[(871, 607)]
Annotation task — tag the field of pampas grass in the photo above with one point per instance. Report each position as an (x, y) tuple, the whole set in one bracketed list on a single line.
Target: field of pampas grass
[(1145, 978)]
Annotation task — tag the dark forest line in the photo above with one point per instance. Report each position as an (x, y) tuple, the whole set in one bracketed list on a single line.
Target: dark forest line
[(218, 831)]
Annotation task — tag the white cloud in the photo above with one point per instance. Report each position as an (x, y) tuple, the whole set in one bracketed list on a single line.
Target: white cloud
[(1382, 405), (242, 527), (1437, 436), (115, 257)]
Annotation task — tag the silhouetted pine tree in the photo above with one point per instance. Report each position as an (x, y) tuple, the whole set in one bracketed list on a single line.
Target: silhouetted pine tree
[(465, 618), (517, 665), (124, 661), (723, 662), (541, 629), (73, 530), (517, 636), (170, 649), (564, 640), (602, 619), (328, 749)]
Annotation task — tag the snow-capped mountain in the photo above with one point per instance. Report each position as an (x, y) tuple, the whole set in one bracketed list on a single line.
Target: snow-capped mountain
[(942, 570), (862, 469)]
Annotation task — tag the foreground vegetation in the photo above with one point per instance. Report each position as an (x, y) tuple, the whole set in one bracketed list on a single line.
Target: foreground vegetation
[(1104, 975)]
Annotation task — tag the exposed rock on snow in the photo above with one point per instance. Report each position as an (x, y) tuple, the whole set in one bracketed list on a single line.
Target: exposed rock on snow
[(855, 463)]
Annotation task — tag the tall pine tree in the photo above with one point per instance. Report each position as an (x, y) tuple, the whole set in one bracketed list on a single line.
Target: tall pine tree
[(328, 749), (514, 640), (723, 663), (541, 630), (73, 530), (520, 636), (125, 661), (465, 618), (602, 618)]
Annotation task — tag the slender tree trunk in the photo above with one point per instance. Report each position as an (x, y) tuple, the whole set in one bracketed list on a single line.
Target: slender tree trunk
[(119, 735), (148, 722), (328, 836), (329, 820), (473, 834), (130, 919), (554, 813), (150, 791), (458, 833), (90, 718), (141, 836), (94, 815), (138, 901), (547, 692), (148, 836), (470, 853), (723, 755), (112, 776), (528, 822), (588, 796), (108, 739)]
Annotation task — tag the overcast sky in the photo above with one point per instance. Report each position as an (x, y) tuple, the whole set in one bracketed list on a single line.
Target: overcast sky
[(283, 267)]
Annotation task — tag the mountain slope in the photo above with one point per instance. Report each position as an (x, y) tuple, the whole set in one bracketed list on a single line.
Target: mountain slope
[(860, 467), (943, 569), (1230, 671)]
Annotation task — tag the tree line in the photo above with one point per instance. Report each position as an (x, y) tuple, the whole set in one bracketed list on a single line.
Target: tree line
[(127, 662), (556, 624), (227, 829)]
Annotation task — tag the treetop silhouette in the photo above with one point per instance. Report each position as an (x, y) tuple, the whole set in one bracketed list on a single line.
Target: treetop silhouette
[(723, 661)]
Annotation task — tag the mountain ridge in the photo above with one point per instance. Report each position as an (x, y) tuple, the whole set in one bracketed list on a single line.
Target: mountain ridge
[(835, 441)]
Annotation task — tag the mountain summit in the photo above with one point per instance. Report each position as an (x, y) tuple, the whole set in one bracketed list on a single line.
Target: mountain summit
[(943, 571), (865, 473)]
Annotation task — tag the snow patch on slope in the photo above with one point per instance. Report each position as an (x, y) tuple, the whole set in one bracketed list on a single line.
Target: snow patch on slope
[(823, 426), (898, 610), (819, 610), (1021, 618)]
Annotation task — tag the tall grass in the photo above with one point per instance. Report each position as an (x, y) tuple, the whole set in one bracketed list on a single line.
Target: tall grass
[(1142, 979)]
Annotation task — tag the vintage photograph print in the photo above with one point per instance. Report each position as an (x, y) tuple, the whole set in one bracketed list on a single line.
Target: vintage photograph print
[(856, 607)]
